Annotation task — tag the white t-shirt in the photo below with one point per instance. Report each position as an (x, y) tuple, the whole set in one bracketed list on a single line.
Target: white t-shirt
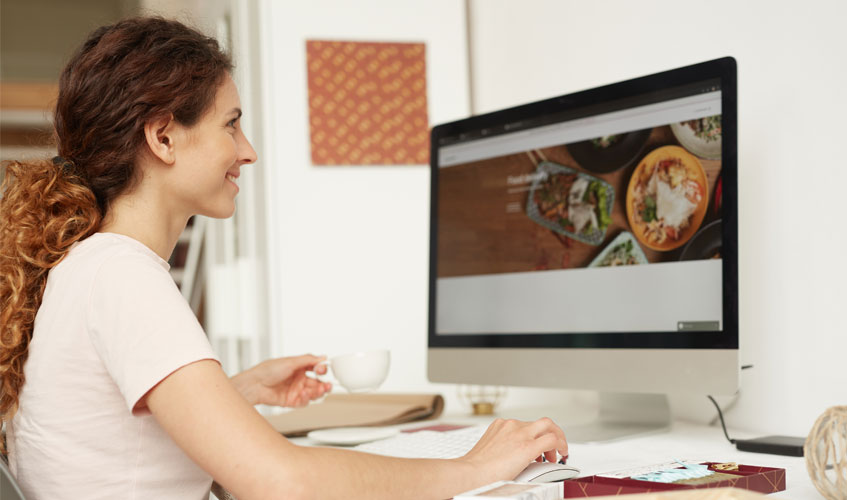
[(111, 326)]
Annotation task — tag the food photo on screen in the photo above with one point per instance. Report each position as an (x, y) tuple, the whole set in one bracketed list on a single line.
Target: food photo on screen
[(619, 208), (611, 152), (666, 198), (571, 203), (701, 136), (547, 210)]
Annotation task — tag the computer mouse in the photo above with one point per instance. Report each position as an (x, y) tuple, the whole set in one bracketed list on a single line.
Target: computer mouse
[(546, 472)]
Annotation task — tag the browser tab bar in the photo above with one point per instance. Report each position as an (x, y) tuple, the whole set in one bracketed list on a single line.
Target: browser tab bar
[(520, 138)]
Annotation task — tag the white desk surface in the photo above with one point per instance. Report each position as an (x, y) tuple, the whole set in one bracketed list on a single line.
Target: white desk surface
[(685, 441)]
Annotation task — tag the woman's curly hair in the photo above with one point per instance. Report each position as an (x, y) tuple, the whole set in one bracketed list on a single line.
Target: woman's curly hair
[(44, 211), (123, 76)]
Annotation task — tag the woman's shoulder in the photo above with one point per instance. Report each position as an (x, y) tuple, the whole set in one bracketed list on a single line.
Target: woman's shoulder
[(104, 258), (115, 249)]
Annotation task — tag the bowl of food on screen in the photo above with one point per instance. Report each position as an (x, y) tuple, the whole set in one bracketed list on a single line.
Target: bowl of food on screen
[(570, 203), (706, 244), (621, 251), (701, 136), (608, 153), (362, 371), (666, 198)]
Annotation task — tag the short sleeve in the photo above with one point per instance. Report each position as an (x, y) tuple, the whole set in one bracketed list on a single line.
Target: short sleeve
[(141, 326)]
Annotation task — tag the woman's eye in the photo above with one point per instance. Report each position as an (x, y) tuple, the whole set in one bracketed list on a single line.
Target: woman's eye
[(232, 123)]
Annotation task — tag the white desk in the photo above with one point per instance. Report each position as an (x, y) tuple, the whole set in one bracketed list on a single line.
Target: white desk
[(685, 441)]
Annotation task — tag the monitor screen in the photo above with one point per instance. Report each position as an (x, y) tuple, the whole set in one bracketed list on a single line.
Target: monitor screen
[(601, 219)]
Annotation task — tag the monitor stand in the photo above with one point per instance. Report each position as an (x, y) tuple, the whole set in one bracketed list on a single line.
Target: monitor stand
[(622, 416), (619, 416)]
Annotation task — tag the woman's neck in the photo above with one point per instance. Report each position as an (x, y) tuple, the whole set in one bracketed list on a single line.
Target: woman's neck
[(150, 223)]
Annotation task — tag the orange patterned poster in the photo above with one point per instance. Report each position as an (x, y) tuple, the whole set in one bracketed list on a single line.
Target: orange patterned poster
[(367, 103)]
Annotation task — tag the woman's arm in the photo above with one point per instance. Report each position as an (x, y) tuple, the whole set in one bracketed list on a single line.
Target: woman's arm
[(205, 415)]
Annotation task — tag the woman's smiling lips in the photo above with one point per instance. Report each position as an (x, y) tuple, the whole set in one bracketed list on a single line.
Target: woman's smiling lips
[(232, 175)]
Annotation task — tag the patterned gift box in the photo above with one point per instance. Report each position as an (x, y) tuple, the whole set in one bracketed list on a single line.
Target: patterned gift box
[(748, 477)]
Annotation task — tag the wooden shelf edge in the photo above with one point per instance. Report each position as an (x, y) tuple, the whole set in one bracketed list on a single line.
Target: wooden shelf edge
[(28, 95)]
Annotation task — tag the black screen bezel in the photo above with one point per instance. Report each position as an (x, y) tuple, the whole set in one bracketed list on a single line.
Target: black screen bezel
[(723, 69)]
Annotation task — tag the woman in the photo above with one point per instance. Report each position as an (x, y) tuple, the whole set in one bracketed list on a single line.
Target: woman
[(110, 388)]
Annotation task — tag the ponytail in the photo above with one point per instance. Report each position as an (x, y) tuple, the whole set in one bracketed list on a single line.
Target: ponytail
[(45, 207)]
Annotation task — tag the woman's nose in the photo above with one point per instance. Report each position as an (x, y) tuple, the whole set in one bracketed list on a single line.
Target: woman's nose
[(248, 154)]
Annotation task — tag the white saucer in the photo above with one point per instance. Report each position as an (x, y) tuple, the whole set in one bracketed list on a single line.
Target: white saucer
[(352, 435)]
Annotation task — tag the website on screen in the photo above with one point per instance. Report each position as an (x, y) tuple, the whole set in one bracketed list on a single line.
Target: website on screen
[(604, 223)]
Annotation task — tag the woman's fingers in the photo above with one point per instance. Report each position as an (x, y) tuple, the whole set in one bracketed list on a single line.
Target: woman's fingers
[(303, 389), (308, 362), (313, 389), (545, 426), (293, 365), (549, 443), (284, 381), (509, 445)]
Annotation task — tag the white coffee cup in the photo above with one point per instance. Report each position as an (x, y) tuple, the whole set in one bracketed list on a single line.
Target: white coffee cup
[(360, 371)]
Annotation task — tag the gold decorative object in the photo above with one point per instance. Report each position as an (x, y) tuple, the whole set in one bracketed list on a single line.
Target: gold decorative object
[(483, 399), (826, 453)]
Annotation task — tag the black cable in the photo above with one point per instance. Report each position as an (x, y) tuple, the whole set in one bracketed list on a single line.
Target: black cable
[(720, 414)]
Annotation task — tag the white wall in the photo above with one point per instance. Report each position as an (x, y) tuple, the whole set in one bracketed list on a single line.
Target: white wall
[(792, 71), (351, 243)]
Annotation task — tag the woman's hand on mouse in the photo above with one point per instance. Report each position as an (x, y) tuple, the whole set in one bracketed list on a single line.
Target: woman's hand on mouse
[(508, 446), (283, 381)]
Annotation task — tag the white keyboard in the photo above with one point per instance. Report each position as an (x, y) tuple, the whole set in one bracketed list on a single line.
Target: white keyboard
[(426, 444)]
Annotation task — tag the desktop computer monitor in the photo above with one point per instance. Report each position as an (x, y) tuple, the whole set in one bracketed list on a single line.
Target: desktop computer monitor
[(589, 241)]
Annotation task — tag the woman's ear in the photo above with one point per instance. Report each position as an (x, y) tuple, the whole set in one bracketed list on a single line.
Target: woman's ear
[(159, 134)]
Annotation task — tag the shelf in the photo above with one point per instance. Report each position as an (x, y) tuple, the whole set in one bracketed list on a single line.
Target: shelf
[(28, 96), (35, 118), (24, 152)]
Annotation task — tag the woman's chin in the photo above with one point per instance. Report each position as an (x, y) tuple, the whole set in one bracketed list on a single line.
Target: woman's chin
[(220, 212)]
